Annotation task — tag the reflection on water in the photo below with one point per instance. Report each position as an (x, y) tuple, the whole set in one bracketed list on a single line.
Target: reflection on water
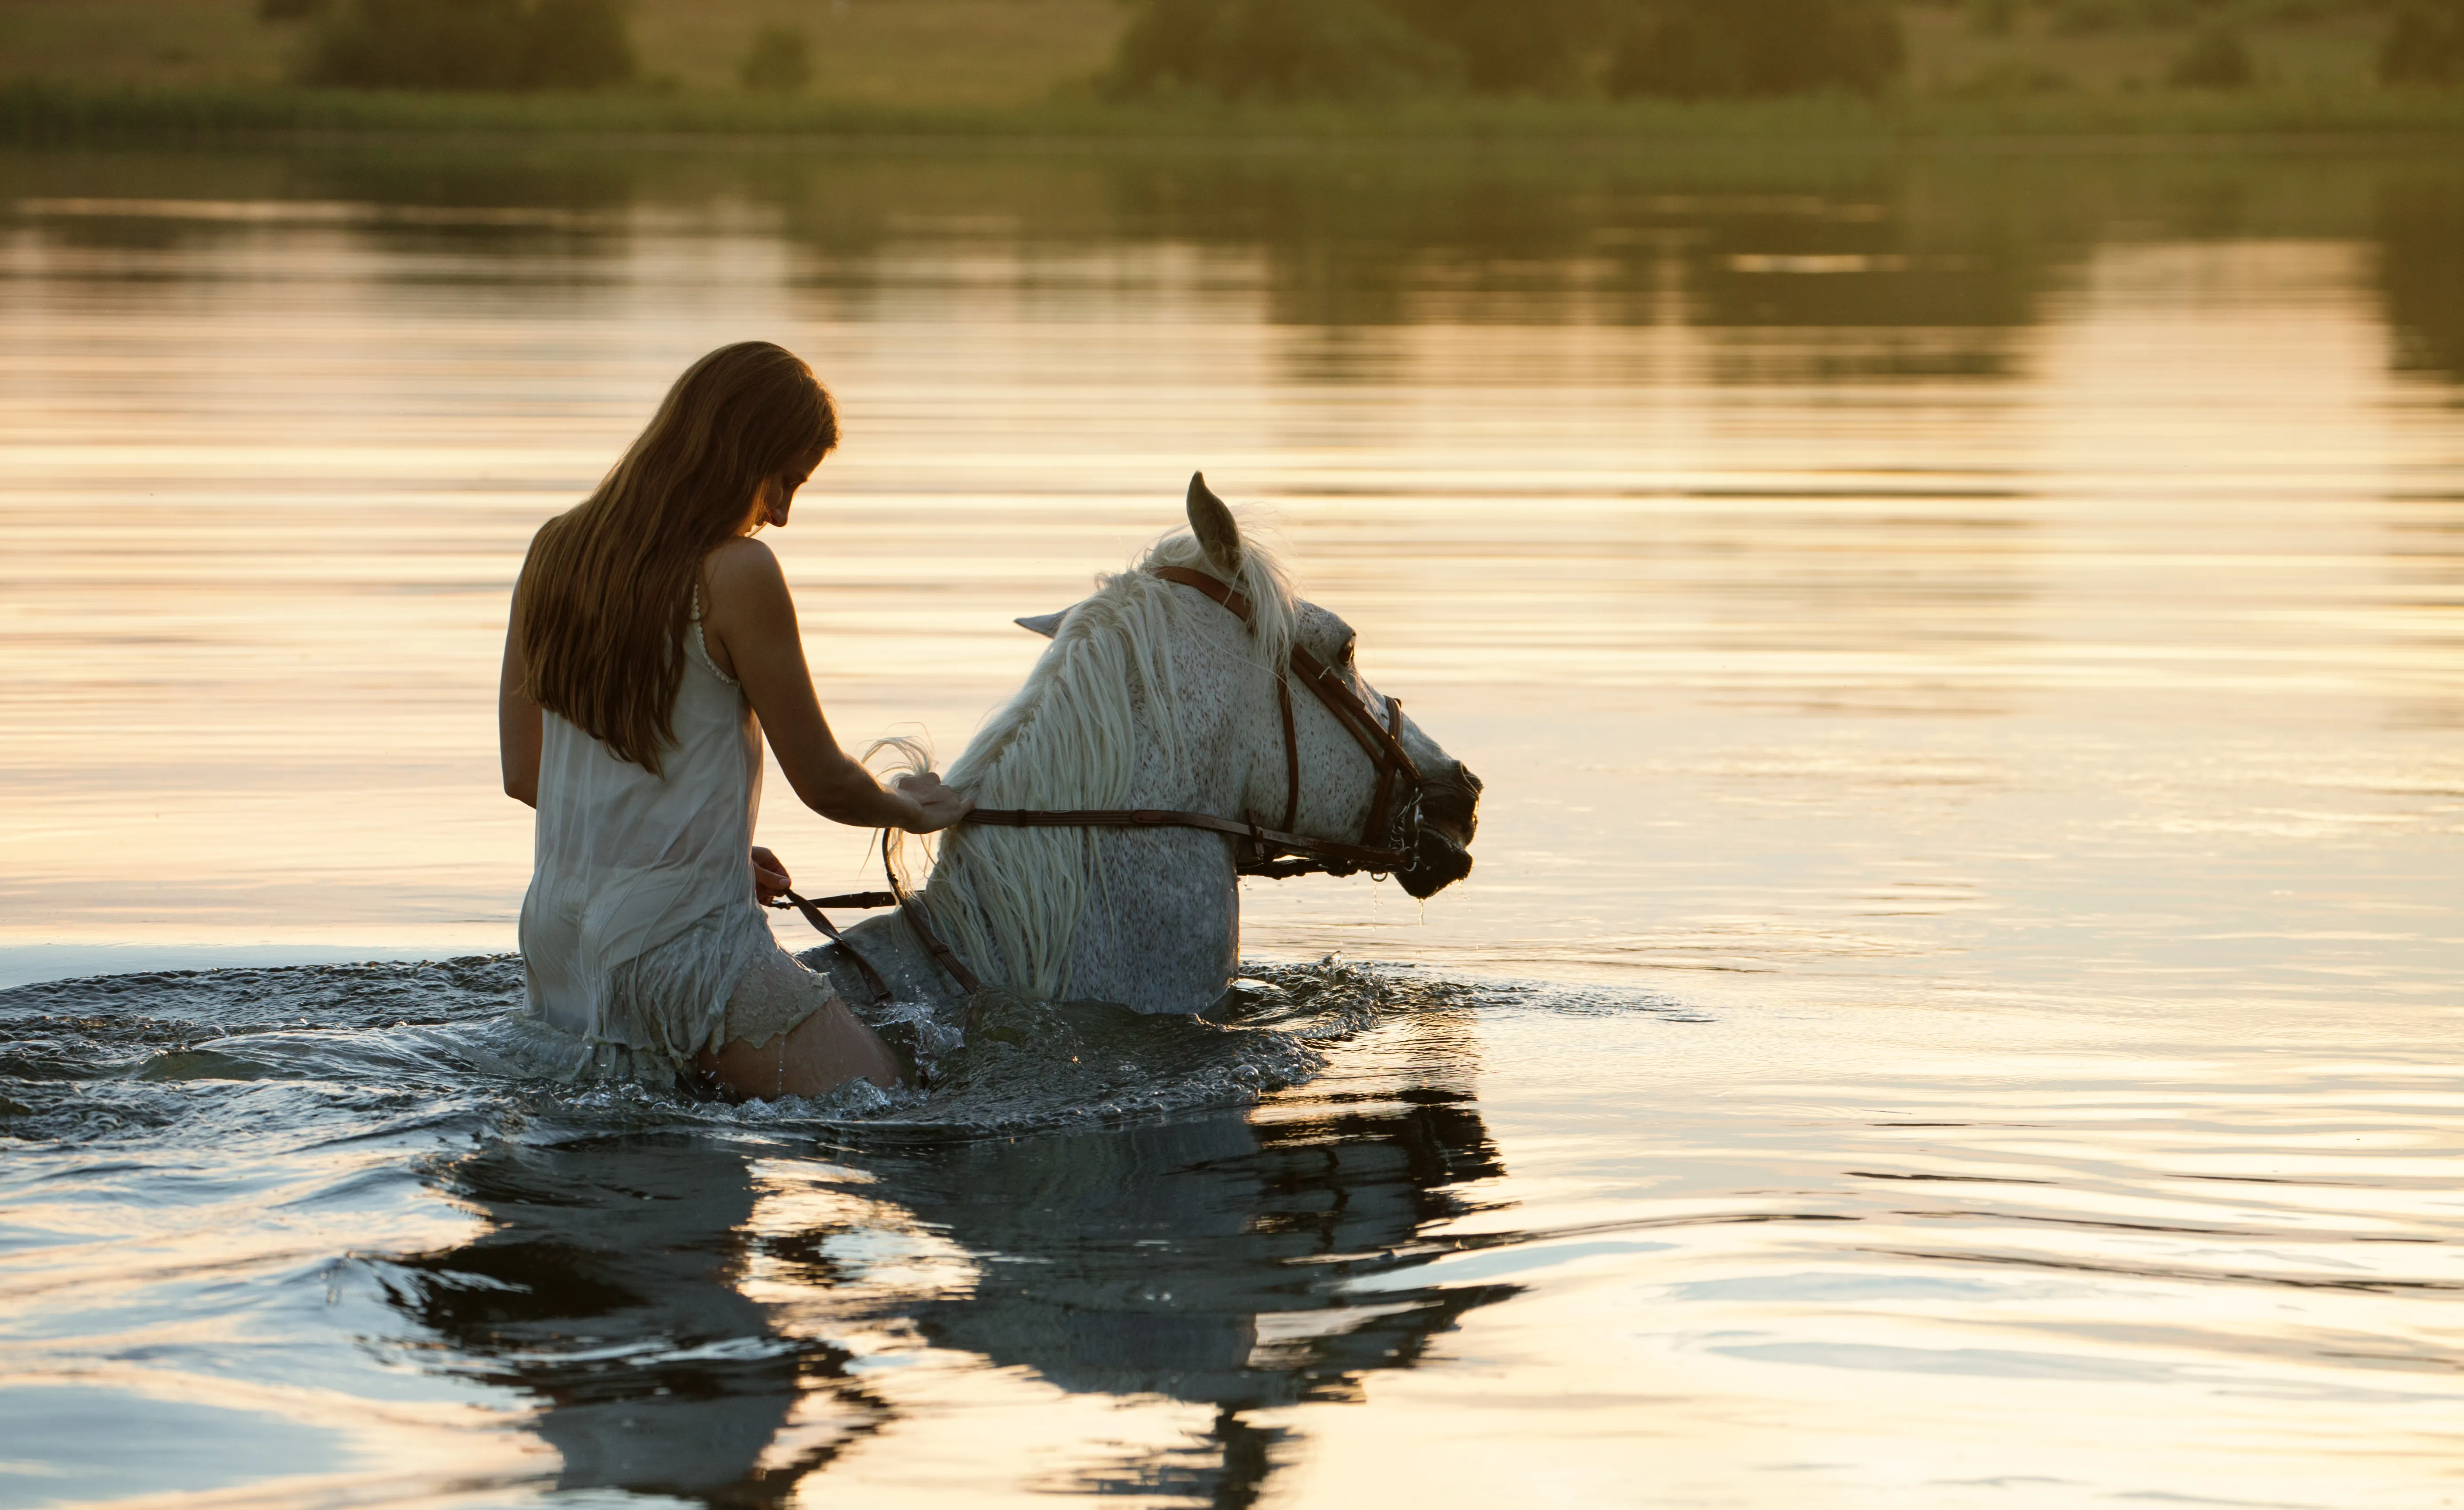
[(605, 1290), (1201, 1261), (1968, 645), (1208, 1262), (2107, 1253), (2419, 229)]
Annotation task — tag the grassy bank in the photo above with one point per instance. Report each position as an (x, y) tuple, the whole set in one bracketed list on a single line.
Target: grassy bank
[(50, 112), (157, 70)]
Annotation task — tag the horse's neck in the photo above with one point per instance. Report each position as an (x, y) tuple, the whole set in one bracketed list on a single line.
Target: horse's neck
[(1163, 931), (1160, 928)]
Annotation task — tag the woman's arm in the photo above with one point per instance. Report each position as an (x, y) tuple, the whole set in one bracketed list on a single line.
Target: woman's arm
[(749, 623), (518, 723)]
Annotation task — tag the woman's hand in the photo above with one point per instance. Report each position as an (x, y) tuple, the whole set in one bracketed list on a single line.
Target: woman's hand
[(936, 805), (770, 879)]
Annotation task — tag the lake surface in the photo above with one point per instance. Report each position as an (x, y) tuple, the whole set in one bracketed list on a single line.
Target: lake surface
[(1959, 1000)]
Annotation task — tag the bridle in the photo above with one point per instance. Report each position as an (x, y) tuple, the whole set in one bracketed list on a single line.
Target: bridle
[(1390, 835), (1278, 851)]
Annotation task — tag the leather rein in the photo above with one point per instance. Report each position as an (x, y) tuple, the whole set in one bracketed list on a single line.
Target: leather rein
[(1277, 851)]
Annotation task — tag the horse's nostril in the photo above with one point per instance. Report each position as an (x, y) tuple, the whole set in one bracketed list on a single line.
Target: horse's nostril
[(1451, 802)]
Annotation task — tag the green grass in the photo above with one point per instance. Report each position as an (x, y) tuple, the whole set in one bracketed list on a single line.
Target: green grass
[(44, 113), (148, 42), (957, 53), (86, 70)]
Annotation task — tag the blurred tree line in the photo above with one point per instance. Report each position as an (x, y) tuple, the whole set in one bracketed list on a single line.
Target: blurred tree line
[(461, 44), (2425, 44), (1683, 49), (1286, 49), (1350, 49)]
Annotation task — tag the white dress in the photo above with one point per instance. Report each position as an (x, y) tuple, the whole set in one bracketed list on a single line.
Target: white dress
[(641, 920)]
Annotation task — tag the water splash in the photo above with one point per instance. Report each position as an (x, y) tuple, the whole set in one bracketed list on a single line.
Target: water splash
[(91, 1058)]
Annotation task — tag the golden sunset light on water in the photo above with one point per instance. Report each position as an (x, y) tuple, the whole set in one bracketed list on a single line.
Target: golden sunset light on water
[(1954, 1002)]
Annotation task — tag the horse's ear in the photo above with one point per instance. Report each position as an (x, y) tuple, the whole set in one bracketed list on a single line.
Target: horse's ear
[(1046, 625), (1215, 530)]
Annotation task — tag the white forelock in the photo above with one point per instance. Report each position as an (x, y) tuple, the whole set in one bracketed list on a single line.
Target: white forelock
[(1010, 900)]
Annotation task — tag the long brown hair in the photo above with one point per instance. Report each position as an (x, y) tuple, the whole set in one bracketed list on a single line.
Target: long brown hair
[(608, 590)]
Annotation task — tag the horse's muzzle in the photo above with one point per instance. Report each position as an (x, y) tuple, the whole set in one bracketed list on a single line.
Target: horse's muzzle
[(1449, 817)]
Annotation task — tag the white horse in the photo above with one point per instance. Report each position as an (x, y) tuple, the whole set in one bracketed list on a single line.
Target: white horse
[(1154, 694)]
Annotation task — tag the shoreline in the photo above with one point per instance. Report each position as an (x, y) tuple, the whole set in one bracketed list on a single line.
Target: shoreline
[(45, 114)]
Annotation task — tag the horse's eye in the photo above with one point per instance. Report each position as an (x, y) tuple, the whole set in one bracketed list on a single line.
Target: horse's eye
[(1344, 656)]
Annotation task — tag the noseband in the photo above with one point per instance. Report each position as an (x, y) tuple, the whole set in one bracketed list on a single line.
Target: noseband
[(1277, 853)]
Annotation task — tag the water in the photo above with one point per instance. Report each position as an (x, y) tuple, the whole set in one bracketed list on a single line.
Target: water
[(1957, 1004)]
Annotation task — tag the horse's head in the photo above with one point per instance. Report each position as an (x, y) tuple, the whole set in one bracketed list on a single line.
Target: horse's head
[(1332, 771), (1434, 824)]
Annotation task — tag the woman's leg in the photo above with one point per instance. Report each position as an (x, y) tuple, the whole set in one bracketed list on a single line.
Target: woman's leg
[(816, 1056), (789, 1034)]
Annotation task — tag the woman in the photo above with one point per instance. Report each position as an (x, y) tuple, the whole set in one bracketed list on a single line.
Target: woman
[(652, 644)]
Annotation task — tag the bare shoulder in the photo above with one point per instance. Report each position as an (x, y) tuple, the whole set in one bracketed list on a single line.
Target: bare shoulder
[(748, 597), (742, 562), (744, 572)]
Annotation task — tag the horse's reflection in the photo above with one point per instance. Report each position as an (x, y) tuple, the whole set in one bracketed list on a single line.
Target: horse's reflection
[(1238, 1262), (1234, 1262)]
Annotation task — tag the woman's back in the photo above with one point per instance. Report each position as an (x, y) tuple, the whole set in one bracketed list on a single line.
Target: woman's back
[(641, 911)]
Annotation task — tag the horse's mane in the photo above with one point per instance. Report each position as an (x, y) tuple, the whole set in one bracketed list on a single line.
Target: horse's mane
[(1009, 899)]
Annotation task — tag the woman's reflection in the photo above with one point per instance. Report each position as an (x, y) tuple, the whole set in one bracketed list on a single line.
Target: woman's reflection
[(606, 1291)]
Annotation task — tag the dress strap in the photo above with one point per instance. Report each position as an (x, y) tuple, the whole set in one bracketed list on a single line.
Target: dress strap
[(699, 647)]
